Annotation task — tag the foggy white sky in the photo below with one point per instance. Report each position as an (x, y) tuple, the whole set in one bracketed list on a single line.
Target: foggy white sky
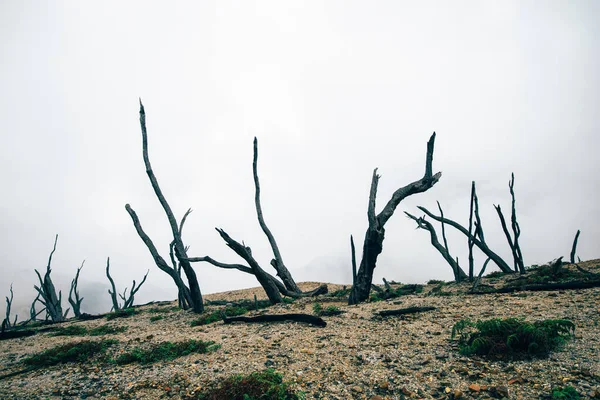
[(331, 90)]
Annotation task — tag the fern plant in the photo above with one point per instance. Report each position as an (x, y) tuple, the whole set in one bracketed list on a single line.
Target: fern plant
[(511, 336)]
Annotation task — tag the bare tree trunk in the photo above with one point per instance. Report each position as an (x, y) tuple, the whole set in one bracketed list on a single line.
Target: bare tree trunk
[(480, 243), (113, 292), (9, 324), (470, 236), (353, 260), (459, 274), (373, 243), (574, 248), (264, 278), (195, 299), (49, 299), (277, 262), (515, 226), (74, 294)]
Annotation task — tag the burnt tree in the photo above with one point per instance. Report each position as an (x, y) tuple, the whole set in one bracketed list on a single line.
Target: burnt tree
[(272, 286), (574, 247), (74, 298), (7, 322), (422, 223), (50, 300), (127, 300), (373, 243), (192, 295), (513, 243)]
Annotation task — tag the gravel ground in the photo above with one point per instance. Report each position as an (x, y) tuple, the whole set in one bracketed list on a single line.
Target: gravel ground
[(356, 356)]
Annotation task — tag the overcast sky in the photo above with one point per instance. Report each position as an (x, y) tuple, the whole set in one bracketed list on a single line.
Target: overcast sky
[(332, 90)]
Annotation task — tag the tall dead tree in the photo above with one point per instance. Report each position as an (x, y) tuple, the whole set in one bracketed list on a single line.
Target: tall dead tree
[(47, 291), (7, 322), (74, 298), (127, 299), (470, 242), (519, 265), (193, 295), (353, 251), (272, 286), (373, 243)]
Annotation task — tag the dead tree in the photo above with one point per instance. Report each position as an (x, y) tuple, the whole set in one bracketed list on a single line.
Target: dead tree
[(574, 247), (193, 295), (7, 322), (470, 242), (74, 298), (127, 300), (272, 286), (519, 266), (47, 291), (373, 243), (422, 223), (32, 313), (353, 251), (478, 237)]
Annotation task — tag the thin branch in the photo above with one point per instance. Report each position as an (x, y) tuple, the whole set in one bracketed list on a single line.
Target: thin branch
[(278, 264), (216, 263), (515, 226), (469, 237), (459, 274), (419, 186), (353, 250), (480, 275), (76, 301), (574, 247), (372, 217), (113, 293), (480, 243)]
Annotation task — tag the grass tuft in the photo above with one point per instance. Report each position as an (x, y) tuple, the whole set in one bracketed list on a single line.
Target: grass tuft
[(330, 311), (165, 351), (70, 352), (72, 330), (215, 316), (566, 393), (512, 336), (126, 313), (264, 385), (107, 330)]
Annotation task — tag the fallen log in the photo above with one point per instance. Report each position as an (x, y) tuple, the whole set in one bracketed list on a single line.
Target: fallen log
[(404, 311), (309, 319), (544, 287), (16, 334)]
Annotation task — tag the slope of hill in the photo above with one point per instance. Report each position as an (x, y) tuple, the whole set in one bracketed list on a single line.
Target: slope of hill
[(358, 355)]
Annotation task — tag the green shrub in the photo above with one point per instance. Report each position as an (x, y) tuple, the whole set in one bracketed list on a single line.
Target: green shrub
[(327, 312), (72, 330), (566, 393), (216, 315), (165, 351), (495, 274), (126, 313), (156, 318), (512, 336), (107, 330), (70, 352), (265, 385)]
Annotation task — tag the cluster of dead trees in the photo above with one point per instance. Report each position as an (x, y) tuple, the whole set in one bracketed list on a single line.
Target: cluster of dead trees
[(51, 301), (283, 284)]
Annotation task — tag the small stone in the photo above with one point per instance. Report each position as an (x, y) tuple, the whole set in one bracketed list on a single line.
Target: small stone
[(502, 391), (376, 397), (474, 387), (457, 394), (357, 389)]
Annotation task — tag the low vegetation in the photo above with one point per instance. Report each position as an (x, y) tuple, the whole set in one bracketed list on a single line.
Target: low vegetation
[(70, 352), (124, 313), (565, 393), (208, 318), (402, 290), (512, 337), (330, 311), (165, 351), (155, 318), (264, 385), (77, 330)]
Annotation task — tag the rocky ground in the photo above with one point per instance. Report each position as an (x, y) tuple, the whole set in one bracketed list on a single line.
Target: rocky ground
[(358, 355)]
